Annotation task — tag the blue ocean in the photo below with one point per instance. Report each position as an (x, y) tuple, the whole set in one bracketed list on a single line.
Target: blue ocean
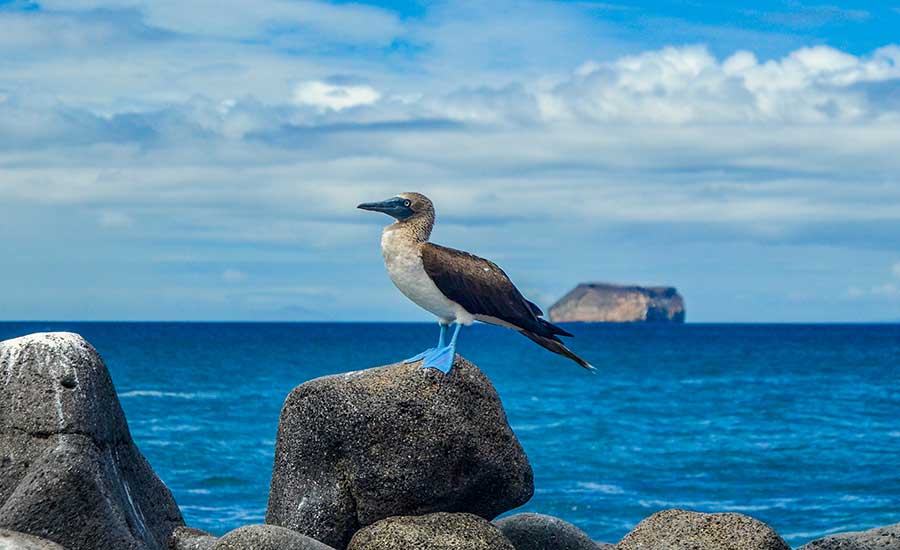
[(797, 425)]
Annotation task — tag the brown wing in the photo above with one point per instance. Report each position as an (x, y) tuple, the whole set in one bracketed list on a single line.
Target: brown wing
[(479, 286), (483, 288)]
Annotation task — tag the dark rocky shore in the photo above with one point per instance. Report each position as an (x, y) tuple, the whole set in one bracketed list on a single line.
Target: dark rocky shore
[(392, 457)]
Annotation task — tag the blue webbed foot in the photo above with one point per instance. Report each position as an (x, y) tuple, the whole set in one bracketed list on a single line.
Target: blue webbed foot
[(440, 359), (420, 356)]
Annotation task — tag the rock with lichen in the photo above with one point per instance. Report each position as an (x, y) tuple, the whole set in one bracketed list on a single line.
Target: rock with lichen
[(188, 538), (11, 540), (879, 538), (69, 470), (355, 448), (439, 531), (686, 530), (267, 537), (530, 531)]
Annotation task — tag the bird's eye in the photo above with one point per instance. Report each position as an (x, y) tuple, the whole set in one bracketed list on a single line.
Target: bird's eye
[(406, 203)]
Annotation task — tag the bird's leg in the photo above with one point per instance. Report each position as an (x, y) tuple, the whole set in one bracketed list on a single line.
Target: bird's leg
[(441, 337), (420, 356), (455, 336), (442, 358)]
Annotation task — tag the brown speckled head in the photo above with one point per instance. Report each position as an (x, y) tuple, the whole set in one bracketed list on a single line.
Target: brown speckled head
[(421, 222), (413, 211), (419, 204)]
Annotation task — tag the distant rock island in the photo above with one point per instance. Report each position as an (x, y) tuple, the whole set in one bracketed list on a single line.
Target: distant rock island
[(610, 303)]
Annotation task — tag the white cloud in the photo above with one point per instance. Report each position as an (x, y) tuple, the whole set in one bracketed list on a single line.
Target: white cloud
[(45, 35), (884, 290), (688, 85), (888, 290), (496, 43), (115, 220), (228, 149), (334, 96), (353, 23), (232, 275), (855, 292), (801, 16)]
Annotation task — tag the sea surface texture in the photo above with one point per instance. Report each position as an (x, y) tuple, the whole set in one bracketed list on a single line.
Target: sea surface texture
[(796, 425)]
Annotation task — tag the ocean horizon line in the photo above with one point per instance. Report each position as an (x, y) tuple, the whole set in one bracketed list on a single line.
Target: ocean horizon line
[(385, 322)]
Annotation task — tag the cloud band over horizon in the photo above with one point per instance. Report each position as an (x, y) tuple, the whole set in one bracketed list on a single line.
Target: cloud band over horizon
[(160, 163)]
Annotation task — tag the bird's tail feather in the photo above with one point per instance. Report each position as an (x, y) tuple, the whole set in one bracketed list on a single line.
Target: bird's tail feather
[(549, 328), (553, 344)]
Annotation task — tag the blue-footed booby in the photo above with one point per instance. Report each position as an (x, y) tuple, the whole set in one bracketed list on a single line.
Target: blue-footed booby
[(457, 287)]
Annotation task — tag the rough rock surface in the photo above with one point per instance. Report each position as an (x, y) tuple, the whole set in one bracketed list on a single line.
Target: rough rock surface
[(602, 302), (539, 532), (684, 530), (267, 537), (11, 540), (188, 538), (880, 538), (439, 531), (356, 448), (69, 470)]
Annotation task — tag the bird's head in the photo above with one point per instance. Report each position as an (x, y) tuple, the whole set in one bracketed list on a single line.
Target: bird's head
[(402, 207)]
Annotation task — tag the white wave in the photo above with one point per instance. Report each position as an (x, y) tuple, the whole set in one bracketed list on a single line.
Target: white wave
[(817, 534), (227, 515), (718, 506), (536, 427), (176, 428), (172, 394), (605, 488)]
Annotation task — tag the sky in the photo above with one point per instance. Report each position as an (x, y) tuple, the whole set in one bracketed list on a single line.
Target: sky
[(168, 160)]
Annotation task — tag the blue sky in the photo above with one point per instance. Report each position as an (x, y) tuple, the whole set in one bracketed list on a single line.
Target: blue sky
[(163, 160)]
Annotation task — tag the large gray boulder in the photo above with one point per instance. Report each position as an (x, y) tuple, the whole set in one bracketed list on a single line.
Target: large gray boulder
[(69, 470), (11, 540), (684, 530), (356, 448), (879, 538), (542, 532), (267, 537), (440, 531)]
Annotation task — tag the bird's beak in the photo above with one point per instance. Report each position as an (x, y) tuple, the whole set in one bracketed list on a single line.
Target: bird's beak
[(395, 207), (383, 206)]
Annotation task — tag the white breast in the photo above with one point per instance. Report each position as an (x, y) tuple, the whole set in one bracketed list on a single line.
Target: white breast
[(403, 260)]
